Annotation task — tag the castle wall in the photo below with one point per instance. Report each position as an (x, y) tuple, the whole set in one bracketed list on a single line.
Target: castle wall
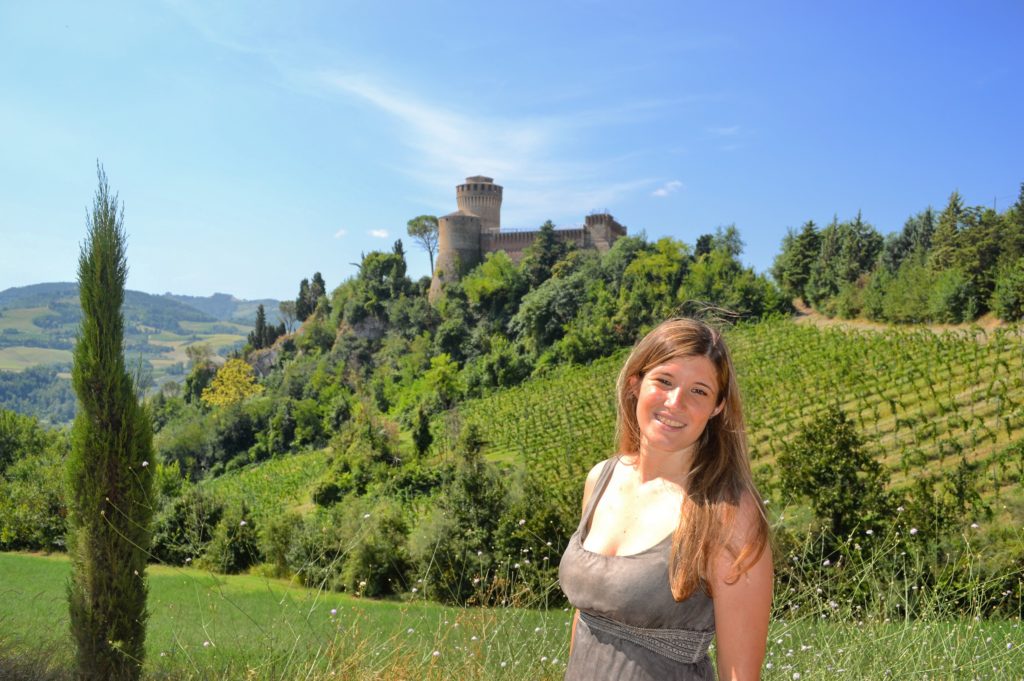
[(475, 229)]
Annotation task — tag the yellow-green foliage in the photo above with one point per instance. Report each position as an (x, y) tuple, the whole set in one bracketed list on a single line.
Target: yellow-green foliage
[(233, 383)]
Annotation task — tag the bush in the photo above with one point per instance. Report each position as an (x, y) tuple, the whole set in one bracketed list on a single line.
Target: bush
[(1008, 297), (277, 537), (235, 544), (953, 298), (185, 525)]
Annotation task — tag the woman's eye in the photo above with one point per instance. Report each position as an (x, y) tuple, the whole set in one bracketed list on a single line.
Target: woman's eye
[(700, 392), (664, 381)]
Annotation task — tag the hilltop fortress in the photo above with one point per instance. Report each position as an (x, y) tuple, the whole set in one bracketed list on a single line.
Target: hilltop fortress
[(467, 235)]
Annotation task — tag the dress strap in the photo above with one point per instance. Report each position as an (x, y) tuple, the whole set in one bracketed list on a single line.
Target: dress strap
[(681, 645), (599, 487)]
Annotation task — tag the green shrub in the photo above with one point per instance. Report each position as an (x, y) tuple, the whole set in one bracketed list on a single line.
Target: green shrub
[(953, 298), (185, 525), (235, 544), (1008, 297)]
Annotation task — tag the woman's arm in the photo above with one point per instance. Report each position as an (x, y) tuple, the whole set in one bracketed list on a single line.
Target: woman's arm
[(742, 607)]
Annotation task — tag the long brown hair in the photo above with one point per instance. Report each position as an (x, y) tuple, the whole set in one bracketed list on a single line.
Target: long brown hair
[(719, 476)]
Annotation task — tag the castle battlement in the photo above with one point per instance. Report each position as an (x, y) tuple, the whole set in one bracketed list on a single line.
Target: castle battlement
[(474, 229)]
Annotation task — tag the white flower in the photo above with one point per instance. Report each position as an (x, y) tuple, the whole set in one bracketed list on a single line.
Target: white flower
[(503, 664), (365, 516), (414, 589), (473, 638), (362, 584), (516, 566), (436, 653), (409, 630), (974, 526), (826, 562), (522, 521), (867, 532), (913, 530), (242, 524), (334, 611), (206, 644), (543, 658), (900, 509), (145, 463)]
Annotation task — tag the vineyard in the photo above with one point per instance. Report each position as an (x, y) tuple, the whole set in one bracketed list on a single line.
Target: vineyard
[(271, 487), (921, 400)]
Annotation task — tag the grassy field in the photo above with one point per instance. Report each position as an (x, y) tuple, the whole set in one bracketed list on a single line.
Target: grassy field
[(204, 626), (20, 357)]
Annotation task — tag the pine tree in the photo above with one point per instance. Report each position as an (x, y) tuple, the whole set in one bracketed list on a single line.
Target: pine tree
[(109, 482), (258, 336), (946, 239), (302, 307)]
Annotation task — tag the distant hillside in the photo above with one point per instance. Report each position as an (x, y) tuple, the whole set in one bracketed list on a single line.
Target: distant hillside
[(226, 307), (39, 325)]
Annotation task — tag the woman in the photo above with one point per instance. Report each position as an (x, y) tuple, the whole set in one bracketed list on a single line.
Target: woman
[(672, 548)]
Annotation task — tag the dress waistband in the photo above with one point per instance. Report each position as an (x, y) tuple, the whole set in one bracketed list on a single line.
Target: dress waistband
[(682, 645)]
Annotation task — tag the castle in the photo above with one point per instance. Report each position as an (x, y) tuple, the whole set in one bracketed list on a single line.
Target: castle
[(465, 236)]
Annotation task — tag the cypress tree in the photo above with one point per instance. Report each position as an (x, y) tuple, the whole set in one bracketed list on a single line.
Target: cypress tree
[(109, 481), (258, 336)]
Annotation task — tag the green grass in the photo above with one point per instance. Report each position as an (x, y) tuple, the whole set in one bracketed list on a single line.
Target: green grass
[(204, 626), (212, 626)]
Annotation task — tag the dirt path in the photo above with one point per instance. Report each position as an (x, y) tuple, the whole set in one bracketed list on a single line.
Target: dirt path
[(807, 315)]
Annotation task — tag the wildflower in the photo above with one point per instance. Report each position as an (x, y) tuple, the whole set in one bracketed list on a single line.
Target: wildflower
[(476, 580), (503, 664), (188, 560), (974, 526), (242, 524), (516, 566), (866, 532), (1009, 646), (334, 611), (414, 589), (436, 653), (826, 562), (796, 675), (900, 509), (536, 629), (554, 661), (522, 521), (362, 584), (543, 658), (365, 516), (473, 638), (913, 530), (206, 644), (145, 463), (409, 630)]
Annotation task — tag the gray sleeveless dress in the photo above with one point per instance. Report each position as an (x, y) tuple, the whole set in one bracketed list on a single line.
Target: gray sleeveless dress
[(634, 590)]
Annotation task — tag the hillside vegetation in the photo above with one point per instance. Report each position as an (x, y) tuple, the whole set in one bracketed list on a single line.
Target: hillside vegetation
[(39, 326)]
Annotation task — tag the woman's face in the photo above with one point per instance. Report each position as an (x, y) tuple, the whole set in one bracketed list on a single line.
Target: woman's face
[(675, 400)]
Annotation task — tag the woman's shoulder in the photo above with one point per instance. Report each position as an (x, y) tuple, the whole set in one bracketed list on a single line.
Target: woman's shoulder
[(593, 476)]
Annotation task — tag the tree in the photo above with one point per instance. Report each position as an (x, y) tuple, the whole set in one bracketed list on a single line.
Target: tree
[(946, 239), (287, 310), (233, 383), (540, 256), (827, 464), (792, 265), (258, 336), (423, 229), (303, 308), (109, 482)]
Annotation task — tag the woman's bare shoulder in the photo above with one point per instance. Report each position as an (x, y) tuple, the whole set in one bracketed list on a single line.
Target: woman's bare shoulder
[(592, 477)]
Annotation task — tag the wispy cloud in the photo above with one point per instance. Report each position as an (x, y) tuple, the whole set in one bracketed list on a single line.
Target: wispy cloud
[(379, 233), (670, 187), (340, 233), (519, 152), (725, 131)]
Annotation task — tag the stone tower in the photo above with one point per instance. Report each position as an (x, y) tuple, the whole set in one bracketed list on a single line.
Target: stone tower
[(481, 197), (458, 233)]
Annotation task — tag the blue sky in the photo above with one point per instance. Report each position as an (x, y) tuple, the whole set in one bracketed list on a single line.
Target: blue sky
[(254, 143)]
